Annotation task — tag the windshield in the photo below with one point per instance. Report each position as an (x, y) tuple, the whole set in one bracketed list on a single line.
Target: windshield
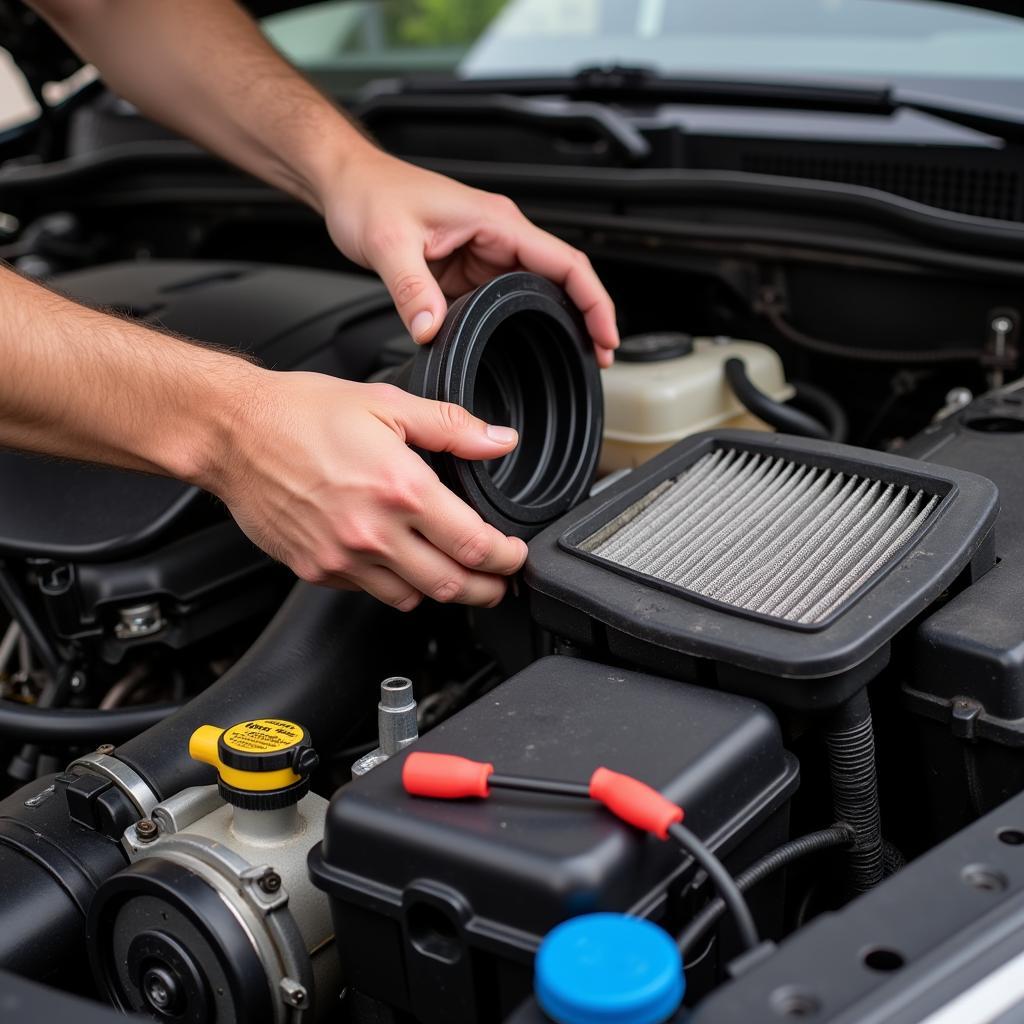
[(875, 39)]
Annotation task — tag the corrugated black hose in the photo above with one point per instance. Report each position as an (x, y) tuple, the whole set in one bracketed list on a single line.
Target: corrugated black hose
[(850, 740)]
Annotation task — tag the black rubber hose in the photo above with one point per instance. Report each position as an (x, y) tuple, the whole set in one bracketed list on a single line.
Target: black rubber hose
[(837, 835), (775, 414), (929, 356), (316, 663), (78, 726), (850, 740), (821, 402), (49, 871), (726, 885)]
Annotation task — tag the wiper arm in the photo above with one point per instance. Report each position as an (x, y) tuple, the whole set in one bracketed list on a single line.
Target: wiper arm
[(602, 121), (992, 119)]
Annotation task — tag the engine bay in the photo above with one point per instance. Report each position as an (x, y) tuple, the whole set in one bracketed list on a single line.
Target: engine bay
[(775, 569)]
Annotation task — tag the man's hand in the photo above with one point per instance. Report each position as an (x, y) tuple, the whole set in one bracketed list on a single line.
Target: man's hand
[(429, 237), (318, 473)]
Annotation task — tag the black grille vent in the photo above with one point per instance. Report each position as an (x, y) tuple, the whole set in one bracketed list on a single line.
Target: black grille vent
[(980, 192)]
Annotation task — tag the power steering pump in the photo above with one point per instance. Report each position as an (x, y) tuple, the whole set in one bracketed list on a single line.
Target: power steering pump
[(215, 919)]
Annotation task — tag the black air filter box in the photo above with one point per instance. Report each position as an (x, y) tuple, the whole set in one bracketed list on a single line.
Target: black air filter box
[(760, 563), (439, 906)]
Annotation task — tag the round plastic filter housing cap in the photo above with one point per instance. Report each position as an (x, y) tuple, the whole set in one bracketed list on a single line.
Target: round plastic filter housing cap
[(608, 969)]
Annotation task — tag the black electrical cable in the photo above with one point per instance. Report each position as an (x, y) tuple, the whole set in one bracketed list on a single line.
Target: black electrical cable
[(78, 726), (775, 414), (530, 784), (729, 891), (840, 834), (865, 355), (820, 401)]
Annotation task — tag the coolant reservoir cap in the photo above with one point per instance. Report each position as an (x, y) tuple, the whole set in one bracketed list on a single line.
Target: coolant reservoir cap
[(654, 348), (262, 763), (608, 969)]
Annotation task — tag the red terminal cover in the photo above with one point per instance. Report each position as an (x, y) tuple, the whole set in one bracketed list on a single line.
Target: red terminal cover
[(634, 801), (445, 776)]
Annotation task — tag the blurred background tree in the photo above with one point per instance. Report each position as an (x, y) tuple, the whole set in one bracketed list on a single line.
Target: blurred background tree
[(439, 22)]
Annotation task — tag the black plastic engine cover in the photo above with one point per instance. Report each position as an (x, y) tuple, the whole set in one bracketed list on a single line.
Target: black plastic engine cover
[(439, 906), (289, 318)]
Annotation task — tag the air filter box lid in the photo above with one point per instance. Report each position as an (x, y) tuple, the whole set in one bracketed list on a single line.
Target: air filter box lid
[(886, 534), (508, 868)]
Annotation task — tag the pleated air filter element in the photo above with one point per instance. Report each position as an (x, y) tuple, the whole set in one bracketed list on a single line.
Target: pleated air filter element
[(766, 533), (767, 564)]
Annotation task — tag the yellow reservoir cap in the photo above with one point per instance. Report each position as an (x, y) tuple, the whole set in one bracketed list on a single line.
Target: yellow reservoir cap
[(204, 745)]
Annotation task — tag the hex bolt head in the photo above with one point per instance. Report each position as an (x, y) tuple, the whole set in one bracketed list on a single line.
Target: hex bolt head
[(146, 830), (270, 883), (293, 993)]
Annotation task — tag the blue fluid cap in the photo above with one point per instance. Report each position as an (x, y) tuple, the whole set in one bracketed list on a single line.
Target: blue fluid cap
[(608, 969)]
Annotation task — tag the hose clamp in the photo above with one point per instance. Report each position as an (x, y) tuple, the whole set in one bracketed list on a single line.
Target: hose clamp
[(126, 779)]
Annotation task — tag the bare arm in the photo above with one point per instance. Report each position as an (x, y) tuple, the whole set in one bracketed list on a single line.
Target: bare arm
[(317, 471), (203, 68)]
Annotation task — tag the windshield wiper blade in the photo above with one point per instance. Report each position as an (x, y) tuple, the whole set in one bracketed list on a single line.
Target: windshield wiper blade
[(640, 84)]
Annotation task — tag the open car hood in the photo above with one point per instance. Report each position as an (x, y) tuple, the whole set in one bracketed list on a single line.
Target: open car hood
[(43, 56)]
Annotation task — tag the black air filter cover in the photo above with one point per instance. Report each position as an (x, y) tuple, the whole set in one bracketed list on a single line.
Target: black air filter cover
[(516, 352), (762, 563)]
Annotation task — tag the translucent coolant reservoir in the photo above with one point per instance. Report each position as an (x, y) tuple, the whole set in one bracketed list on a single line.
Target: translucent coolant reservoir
[(663, 387)]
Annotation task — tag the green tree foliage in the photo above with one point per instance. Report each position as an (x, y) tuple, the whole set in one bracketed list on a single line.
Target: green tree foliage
[(439, 22)]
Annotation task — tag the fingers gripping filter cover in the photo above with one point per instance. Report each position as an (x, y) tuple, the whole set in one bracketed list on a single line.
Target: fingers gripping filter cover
[(763, 560)]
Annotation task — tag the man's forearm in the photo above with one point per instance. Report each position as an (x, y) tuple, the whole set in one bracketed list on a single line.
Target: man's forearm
[(203, 68), (80, 383)]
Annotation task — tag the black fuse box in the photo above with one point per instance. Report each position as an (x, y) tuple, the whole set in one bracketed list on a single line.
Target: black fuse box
[(439, 905)]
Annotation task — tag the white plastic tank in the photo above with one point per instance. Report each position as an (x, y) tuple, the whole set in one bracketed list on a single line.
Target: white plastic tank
[(663, 387)]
